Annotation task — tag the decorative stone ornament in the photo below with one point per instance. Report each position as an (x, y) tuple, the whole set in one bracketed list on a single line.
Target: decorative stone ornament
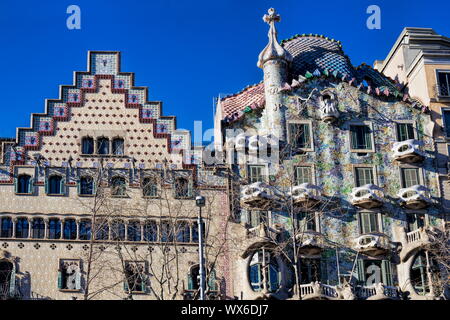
[(273, 50), (327, 108)]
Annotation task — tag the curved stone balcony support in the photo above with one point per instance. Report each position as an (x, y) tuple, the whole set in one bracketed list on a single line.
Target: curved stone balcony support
[(372, 244), (408, 151), (310, 242), (258, 196), (367, 196), (318, 291), (415, 197), (328, 111), (414, 240), (306, 195), (377, 291)]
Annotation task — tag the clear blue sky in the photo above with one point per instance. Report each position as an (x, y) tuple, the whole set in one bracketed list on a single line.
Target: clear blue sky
[(186, 52)]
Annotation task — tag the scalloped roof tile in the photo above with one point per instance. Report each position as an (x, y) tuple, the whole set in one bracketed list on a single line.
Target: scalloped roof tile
[(247, 97)]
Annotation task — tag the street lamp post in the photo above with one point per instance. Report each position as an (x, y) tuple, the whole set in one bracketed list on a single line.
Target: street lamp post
[(200, 202)]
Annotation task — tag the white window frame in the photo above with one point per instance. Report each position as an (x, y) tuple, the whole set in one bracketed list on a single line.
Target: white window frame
[(414, 124), (264, 172), (438, 71), (374, 173), (406, 166), (311, 137), (311, 167), (372, 138), (379, 220)]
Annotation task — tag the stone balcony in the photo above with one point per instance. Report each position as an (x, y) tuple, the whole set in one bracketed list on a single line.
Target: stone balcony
[(377, 291), (318, 291), (415, 197), (328, 111), (310, 242), (372, 244), (411, 241), (306, 195), (408, 151), (258, 196), (368, 196)]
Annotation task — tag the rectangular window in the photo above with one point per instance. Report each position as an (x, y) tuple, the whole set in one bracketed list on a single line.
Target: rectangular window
[(405, 131), (410, 177), (256, 217), (444, 83), (300, 135), (303, 175), (255, 174), (306, 221), (364, 176), (368, 222), (361, 138), (415, 221), (446, 120)]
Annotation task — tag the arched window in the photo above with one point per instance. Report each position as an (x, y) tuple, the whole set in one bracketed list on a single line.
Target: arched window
[(420, 279), (87, 145), (136, 277), (7, 279), (38, 228), (22, 228), (183, 232), (24, 184), (54, 185), (118, 186), (70, 229), (85, 230), (6, 227), (102, 145), (86, 186), (134, 231), (182, 188), (102, 230), (54, 228), (118, 230), (263, 265), (69, 275), (150, 187), (150, 231), (118, 146), (194, 278)]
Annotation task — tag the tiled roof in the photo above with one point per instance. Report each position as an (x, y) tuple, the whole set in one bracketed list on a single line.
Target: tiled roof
[(252, 96), (377, 79), (311, 52)]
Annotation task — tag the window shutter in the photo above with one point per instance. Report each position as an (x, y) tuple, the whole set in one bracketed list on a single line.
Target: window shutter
[(46, 185), (78, 280), (62, 186), (190, 282), (60, 284), (16, 185), (31, 186), (212, 281), (324, 269), (79, 186), (361, 272), (12, 281), (190, 188), (368, 141), (144, 283), (125, 285), (353, 137), (94, 187), (386, 272)]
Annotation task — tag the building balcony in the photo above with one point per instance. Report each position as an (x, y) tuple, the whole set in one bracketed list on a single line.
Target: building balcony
[(411, 241), (195, 294), (306, 195), (318, 291), (310, 242), (258, 196), (328, 112), (372, 244), (377, 291), (368, 196), (264, 232), (408, 151), (415, 197)]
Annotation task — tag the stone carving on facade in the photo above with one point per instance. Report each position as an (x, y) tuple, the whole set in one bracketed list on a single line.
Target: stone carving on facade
[(367, 196), (415, 197), (327, 108), (408, 151)]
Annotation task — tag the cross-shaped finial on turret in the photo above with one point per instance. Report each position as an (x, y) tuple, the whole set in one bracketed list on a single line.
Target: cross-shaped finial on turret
[(272, 16)]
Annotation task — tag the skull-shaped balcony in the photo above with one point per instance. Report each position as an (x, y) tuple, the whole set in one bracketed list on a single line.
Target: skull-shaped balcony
[(415, 197), (368, 196), (310, 242), (377, 291), (327, 109), (306, 195), (258, 196), (372, 244), (408, 151)]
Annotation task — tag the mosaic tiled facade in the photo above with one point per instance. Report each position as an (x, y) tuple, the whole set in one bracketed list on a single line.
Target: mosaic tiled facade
[(349, 171)]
